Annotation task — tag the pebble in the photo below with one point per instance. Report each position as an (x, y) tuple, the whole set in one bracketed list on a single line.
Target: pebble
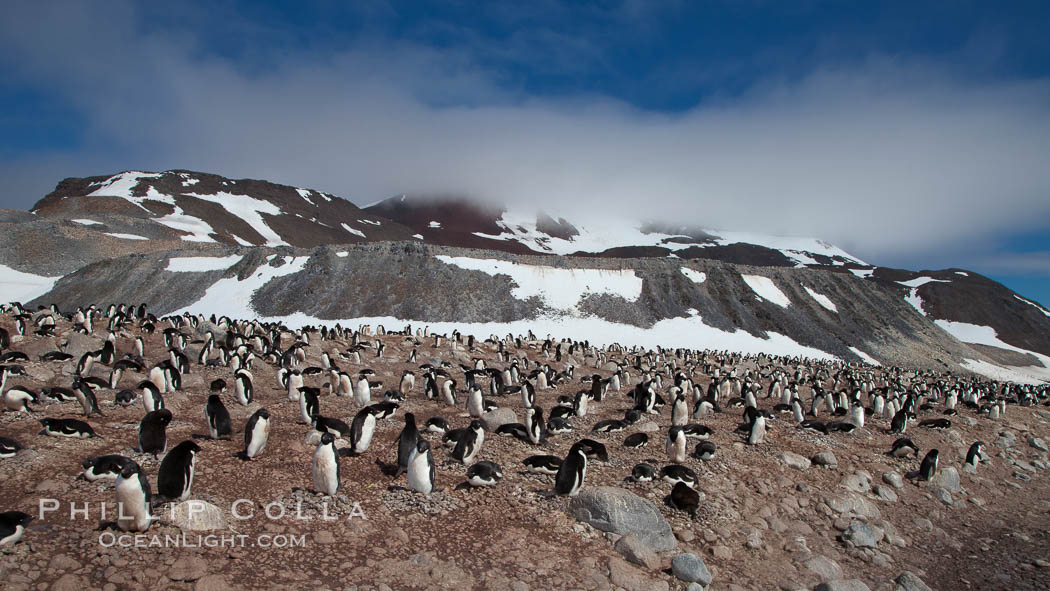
[(893, 479), (691, 568), (826, 459)]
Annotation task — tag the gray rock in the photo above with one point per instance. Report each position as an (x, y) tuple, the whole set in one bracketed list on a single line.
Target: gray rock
[(843, 585), (793, 460), (691, 568), (494, 419), (942, 495), (885, 493), (610, 366), (907, 581), (948, 479), (826, 459), (860, 535), (78, 343), (1006, 440), (1038, 444), (631, 548), (622, 512), (857, 483), (854, 503), (196, 515), (893, 479), (825, 568)]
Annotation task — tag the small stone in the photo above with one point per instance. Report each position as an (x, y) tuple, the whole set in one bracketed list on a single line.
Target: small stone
[(722, 552), (68, 583), (885, 493), (631, 548), (188, 568), (825, 568), (324, 537), (843, 585), (948, 479), (942, 495), (893, 479), (907, 581), (857, 483), (691, 568), (211, 583), (860, 535), (1038, 444)]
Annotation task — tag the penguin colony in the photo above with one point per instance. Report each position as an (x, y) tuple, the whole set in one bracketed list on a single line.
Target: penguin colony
[(332, 385)]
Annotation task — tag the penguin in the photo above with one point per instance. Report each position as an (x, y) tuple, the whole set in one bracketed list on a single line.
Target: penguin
[(643, 473), (675, 445), (469, 444), (935, 423), (18, 399), (87, 361), (448, 392), (594, 450), (685, 499), (757, 431), (256, 433), (106, 467), (609, 426), (9, 447), (67, 428), (12, 526), (548, 465), (558, 426), (133, 499), (534, 425), (572, 472), (697, 431), (475, 403), (175, 477), (58, 393), (243, 387), (899, 424), (928, 469), (903, 448), (153, 432), (420, 468), (219, 423), (326, 466), (331, 425), (362, 429), (484, 474), (975, 453), (309, 405), (705, 450), (674, 473), (217, 386), (362, 391), (125, 398), (636, 440), (406, 443), (679, 411), (437, 425), (151, 397)]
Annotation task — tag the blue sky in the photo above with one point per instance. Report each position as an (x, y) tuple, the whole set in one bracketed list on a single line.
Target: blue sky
[(913, 134)]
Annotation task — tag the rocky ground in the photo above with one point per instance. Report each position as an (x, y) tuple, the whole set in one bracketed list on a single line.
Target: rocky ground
[(799, 511)]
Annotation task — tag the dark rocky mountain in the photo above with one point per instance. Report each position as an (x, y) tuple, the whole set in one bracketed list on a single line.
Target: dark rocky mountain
[(184, 240)]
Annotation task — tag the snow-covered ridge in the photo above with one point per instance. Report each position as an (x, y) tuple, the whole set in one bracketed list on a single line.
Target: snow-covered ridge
[(201, 264), (767, 290), (18, 286), (696, 276), (822, 299), (986, 335)]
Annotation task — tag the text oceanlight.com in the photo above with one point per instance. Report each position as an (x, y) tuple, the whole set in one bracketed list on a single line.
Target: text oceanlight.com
[(112, 539)]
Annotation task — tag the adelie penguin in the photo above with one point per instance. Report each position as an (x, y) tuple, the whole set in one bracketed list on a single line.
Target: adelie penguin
[(67, 428), (643, 473), (573, 471), (636, 440), (406, 443), (903, 448), (326, 466), (133, 499), (705, 450), (309, 405), (974, 456), (12, 527), (362, 429), (484, 474), (545, 464), (469, 444), (9, 447), (256, 434), (18, 399), (106, 467), (675, 473), (928, 469), (420, 468), (676, 445), (685, 499), (153, 437), (175, 477), (219, 424), (436, 425)]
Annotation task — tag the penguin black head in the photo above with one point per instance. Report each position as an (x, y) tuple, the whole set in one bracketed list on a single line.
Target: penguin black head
[(475, 425), (263, 413), (632, 416), (87, 463), (214, 399), (410, 419), (130, 469), (15, 518), (327, 439), (422, 446), (189, 446)]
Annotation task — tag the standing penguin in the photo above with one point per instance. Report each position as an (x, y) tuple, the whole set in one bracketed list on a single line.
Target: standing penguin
[(421, 468), (406, 443), (219, 424), (679, 410), (153, 437), (175, 478), (676, 445), (326, 466), (757, 433), (151, 397), (309, 405), (86, 397), (256, 433), (133, 499), (448, 392), (573, 470), (362, 429), (928, 469), (899, 423), (362, 391), (243, 387), (973, 456), (534, 424)]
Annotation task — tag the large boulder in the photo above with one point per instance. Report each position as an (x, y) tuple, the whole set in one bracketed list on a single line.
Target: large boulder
[(195, 515), (78, 343), (622, 512), (948, 479), (496, 418)]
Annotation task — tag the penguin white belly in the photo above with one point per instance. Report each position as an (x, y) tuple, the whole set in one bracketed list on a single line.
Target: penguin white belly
[(326, 477), (368, 429), (12, 539), (133, 511), (362, 393), (189, 478), (419, 473), (260, 433)]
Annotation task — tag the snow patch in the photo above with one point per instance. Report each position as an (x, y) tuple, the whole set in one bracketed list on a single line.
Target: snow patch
[(561, 289), (696, 276), (232, 297), (125, 236), (240, 240), (353, 231), (342, 254), (766, 289), (1022, 375), (373, 222), (17, 286), (867, 358), (85, 222), (821, 299), (434, 224), (190, 182), (199, 229), (862, 273), (1033, 304), (918, 281), (420, 236), (305, 194), (250, 210), (201, 264), (986, 335), (915, 300)]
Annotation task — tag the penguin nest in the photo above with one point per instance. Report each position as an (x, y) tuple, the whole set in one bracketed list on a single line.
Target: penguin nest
[(410, 501)]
